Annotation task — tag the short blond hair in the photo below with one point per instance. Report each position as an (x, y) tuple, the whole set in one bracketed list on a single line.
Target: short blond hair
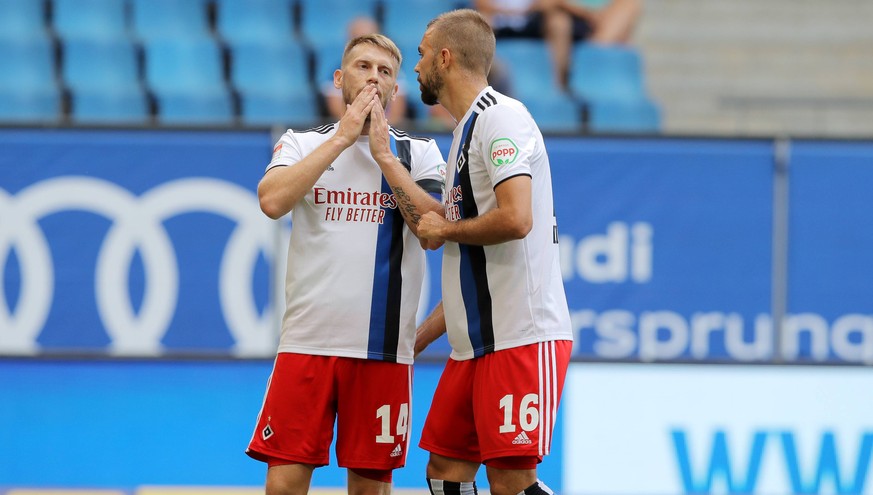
[(376, 39), (467, 34)]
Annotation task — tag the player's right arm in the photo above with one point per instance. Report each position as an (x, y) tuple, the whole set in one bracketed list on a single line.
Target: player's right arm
[(283, 187)]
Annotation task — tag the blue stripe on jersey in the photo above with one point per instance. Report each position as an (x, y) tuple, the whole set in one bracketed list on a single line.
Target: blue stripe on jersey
[(468, 292), (387, 282), (473, 275)]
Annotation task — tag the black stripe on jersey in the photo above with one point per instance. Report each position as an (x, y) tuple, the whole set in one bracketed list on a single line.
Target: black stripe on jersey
[(403, 134), (395, 289), (431, 186), (322, 129), (486, 101), (404, 153), (469, 209)]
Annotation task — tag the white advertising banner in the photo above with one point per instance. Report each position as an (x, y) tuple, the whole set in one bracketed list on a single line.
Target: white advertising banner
[(675, 429)]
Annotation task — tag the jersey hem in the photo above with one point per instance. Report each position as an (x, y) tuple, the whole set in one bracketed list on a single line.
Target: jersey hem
[(466, 356), (344, 353)]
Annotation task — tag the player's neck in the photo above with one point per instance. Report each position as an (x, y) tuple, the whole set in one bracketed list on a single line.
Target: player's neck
[(463, 96)]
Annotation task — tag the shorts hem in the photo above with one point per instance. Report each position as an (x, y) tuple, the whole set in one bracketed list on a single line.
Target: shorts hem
[(368, 465), (510, 453), (448, 453), (266, 455)]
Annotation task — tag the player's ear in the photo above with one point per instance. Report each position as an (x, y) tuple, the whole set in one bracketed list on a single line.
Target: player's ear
[(445, 57), (338, 79), (394, 92)]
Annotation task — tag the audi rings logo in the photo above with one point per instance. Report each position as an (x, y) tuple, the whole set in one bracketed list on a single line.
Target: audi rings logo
[(136, 227)]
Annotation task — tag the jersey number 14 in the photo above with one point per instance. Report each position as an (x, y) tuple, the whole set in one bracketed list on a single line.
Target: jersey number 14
[(384, 413)]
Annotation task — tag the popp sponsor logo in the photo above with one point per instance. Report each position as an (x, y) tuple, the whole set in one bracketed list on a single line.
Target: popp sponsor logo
[(503, 152)]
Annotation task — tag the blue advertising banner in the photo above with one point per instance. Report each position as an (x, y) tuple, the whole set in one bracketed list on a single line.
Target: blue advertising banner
[(830, 252), (127, 423), (640, 429), (151, 243), (666, 247), (134, 243)]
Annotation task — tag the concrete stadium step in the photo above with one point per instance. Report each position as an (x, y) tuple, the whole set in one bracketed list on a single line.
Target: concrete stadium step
[(752, 66)]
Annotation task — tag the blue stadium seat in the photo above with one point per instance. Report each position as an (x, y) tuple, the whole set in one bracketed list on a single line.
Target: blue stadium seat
[(409, 79), (246, 21), (610, 81), (326, 21), (169, 19), (30, 106), (639, 116), (102, 65), (184, 66), (272, 92), (328, 57), (555, 112), (104, 81), (529, 65), (606, 73), (28, 86), (294, 108), (22, 19), (187, 78), (405, 20), (532, 77), (117, 107), (195, 109), (100, 19)]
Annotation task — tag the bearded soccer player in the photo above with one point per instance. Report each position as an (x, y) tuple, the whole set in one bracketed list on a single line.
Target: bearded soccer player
[(356, 190), (503, 304)]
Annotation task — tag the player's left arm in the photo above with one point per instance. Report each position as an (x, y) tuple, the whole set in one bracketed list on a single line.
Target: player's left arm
[(430, 329), (412, 200), (511, 220), (506, 144)]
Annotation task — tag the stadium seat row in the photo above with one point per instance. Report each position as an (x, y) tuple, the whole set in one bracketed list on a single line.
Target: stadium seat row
[(258, 62)]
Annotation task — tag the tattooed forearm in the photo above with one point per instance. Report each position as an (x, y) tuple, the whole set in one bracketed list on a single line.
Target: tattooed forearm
[(406, 207)]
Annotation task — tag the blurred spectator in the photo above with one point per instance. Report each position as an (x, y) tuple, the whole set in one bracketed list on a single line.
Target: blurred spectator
[(333, 97), (609, 21), (561, 23)]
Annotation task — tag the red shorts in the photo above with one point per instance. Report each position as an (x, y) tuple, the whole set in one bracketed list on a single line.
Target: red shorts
[(503, 404), (307, 393)]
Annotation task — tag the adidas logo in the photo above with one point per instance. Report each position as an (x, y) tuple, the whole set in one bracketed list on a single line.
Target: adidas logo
[(522, 439), (397, 451)]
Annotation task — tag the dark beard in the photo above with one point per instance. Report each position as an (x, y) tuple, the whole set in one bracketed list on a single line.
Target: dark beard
[(428, 97), (429, 90)]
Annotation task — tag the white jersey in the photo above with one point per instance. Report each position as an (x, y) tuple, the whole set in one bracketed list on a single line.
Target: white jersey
[(508, 294), (355, 270)]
